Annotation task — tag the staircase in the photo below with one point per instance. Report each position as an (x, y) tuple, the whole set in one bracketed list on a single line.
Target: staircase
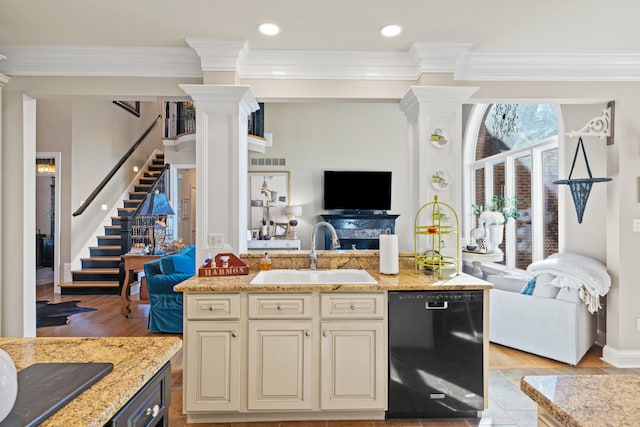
[(100, 272)]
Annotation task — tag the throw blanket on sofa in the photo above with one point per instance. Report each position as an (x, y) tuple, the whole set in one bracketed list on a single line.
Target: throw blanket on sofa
[(585, 274)]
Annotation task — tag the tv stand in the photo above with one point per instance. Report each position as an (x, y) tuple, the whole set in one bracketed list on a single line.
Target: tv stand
[(361, 230)]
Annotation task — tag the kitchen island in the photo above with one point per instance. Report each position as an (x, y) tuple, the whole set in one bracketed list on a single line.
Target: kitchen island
[(292, 351), (584, 400), (136, 361)]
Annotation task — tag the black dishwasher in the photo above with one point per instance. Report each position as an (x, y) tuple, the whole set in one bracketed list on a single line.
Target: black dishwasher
[(435, 354)]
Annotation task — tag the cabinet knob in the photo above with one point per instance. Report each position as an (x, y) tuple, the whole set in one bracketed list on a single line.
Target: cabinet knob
[(325, 333), (234, 334), (153, 411), (353, 307), (279, 308), (307, 333), (211, 308)]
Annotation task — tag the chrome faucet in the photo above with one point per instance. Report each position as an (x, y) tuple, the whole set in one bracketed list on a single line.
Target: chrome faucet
[(335, 243)]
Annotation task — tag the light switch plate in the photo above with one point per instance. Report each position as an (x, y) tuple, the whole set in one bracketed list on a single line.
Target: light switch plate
[(636, 225)]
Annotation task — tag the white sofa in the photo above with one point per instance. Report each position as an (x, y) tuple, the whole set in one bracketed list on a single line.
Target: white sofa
[(558, 327)]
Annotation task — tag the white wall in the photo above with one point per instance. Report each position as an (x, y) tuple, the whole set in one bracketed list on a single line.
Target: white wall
[(590, 237), (337, 135), (102, 132)]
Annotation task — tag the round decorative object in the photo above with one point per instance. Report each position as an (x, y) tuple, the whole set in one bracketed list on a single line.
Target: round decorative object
[(8, 384), (441, 180), (439, 137)]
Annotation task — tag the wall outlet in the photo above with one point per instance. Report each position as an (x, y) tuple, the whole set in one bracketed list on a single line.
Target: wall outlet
[(636, 225), (216, 240)]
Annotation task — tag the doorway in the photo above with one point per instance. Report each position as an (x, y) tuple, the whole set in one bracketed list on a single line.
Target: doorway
[(183, 196), (47, 230)]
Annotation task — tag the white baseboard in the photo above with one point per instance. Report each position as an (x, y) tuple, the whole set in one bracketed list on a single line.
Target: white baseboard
[(621, 358)]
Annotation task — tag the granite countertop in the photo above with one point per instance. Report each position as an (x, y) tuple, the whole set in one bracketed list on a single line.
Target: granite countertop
[(406, 280), (586, 400), (135, 362)]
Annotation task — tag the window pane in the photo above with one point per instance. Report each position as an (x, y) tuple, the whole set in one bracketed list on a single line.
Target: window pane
[(550, 174), (511, 126), (479, 190), (498, 190), (524, 240)]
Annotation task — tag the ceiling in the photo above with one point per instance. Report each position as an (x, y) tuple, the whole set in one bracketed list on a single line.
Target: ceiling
[(578, 26)]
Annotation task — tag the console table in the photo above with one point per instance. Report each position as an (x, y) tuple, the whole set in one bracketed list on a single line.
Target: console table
[(476, 259), (363, 231), (132, 262)]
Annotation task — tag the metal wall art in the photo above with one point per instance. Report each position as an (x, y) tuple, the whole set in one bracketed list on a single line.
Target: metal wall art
[(580, 188)]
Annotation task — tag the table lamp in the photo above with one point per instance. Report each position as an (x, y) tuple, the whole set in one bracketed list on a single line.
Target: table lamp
[(157, 208), (292, 211)]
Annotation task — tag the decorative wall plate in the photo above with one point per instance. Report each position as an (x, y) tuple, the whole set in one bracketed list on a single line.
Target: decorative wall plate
[(440, 180), (439, 137)]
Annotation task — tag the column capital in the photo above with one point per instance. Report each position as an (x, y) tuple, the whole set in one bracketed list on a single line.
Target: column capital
[(3, 80), (223, 96), (433, 95)]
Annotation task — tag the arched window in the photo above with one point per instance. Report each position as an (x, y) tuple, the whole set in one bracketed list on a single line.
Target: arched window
[(513, 153)]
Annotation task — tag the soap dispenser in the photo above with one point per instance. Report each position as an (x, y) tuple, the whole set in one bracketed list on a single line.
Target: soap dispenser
[(265, 262)]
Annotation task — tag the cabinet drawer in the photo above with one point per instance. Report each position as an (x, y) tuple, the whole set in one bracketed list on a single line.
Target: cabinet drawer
[(220, 306), (150, 406), (360, 305), (274, 306)]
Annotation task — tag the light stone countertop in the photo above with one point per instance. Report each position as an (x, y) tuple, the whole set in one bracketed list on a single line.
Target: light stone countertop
[(135, 362), (586, 400), (406, 280)]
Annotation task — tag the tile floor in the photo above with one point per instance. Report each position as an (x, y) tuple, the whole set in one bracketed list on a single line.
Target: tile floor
[(508, 406)]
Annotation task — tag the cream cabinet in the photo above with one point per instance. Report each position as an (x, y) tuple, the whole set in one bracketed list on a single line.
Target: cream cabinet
[(279, 351), (212, 353), (263, 356), (353, 350), (279, 371)]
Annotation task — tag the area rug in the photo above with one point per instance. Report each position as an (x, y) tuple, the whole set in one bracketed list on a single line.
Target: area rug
[(56, 314)]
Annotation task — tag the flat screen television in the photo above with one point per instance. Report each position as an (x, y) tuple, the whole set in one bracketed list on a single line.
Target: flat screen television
[(357, 190)]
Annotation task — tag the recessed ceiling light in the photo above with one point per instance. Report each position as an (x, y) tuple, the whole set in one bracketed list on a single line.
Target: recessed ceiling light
[(269, 29), (391, 30)]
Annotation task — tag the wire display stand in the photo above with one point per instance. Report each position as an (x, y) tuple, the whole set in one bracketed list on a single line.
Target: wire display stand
[(436, 239)]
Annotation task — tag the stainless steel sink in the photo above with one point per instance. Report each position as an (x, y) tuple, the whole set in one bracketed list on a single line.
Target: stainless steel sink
[(314, 277)]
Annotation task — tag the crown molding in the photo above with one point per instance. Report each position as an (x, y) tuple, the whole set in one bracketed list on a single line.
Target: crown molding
[(236, 56), (217, 55), (104, 61), (350, 65), (548, 67)]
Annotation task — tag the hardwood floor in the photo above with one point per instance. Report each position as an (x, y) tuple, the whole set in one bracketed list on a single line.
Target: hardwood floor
[(107, 321)]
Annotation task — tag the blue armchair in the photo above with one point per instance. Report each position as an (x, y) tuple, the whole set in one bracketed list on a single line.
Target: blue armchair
[(165, 305)]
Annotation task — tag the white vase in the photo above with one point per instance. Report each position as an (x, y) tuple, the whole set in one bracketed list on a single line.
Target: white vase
[(495, 233), (8, 384)]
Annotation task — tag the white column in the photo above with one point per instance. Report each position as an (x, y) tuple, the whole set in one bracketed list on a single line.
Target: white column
[(429, 108), (221, 166), (3, 80)]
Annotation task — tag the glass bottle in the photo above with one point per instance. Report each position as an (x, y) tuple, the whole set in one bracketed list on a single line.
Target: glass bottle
[(265, 262)]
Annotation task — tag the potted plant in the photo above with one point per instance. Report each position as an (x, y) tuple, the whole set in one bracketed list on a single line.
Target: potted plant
[(494, 215)]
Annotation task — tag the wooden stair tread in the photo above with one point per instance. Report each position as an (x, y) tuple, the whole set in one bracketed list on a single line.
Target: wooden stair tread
[(102, 258), (109, 237), (108, 284), (97, 270), (107, 247)]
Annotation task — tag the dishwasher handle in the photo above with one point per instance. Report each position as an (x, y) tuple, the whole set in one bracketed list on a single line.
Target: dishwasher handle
[(436, 305)]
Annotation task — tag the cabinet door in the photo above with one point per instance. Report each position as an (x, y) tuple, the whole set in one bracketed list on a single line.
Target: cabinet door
[(212, 366), (280, 365), (352, 369)]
